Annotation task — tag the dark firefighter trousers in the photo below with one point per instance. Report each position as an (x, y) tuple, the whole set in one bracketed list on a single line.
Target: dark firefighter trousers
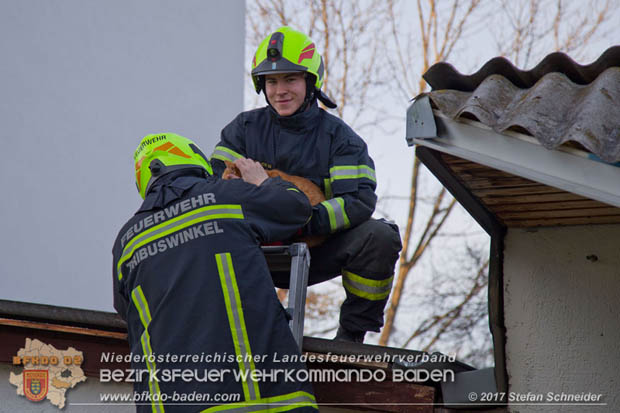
[(365, 257)]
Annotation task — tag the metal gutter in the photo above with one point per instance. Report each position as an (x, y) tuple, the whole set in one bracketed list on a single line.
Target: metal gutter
[(478, 143)]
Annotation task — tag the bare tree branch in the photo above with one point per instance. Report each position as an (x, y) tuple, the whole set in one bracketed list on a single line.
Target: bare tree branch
[(429, 29), (361, 42)]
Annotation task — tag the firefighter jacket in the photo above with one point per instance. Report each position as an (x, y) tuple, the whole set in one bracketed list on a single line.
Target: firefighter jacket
[(194, 287), (313, 144)]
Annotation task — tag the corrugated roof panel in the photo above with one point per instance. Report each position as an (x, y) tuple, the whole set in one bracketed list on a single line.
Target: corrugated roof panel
[(444, 76), (555, 110)]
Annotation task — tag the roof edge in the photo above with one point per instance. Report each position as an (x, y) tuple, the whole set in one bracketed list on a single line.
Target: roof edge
[(443, 75), (61, 315)]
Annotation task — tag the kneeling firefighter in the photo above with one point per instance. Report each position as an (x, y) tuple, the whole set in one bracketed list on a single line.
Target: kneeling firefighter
[(193, 285), (293, 134)]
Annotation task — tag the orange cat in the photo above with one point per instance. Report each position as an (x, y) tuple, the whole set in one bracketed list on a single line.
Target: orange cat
[(313, 192)]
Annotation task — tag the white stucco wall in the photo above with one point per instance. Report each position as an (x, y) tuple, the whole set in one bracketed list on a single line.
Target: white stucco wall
[(561, 314)]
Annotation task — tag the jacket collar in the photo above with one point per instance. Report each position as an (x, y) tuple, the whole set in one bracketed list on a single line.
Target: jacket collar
[(171, 187)]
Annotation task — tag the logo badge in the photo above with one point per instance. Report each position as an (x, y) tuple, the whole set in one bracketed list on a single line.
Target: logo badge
[(306, 53), (35, 384)]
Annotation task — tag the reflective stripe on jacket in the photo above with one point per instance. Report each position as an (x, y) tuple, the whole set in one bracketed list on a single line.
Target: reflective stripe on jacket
[(193, 285), (313, 144)]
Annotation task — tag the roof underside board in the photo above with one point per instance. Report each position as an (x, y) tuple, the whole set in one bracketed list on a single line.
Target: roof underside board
[(472, 141), (519, 202)]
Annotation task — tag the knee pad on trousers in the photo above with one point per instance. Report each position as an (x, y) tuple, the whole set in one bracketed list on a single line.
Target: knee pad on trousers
[(381, 247)]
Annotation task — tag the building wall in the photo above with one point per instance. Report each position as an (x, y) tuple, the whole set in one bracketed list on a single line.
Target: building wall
[(561, 313), (81, 82)]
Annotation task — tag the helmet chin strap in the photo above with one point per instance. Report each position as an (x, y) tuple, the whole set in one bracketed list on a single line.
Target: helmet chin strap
[(310, 95)]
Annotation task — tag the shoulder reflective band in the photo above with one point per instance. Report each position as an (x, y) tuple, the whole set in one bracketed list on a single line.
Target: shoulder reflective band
[(281, 403), (292, 189), (352, 172), (236, 322), (337, 216), (139, 300), (225, 154), (365, 287), (178, 223)]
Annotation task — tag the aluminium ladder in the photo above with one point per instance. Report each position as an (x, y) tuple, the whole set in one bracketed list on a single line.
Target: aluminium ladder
[(296, 258)]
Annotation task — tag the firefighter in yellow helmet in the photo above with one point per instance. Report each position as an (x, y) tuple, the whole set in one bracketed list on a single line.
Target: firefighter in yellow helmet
[(192, 284), (295, 57), (293, 134)]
